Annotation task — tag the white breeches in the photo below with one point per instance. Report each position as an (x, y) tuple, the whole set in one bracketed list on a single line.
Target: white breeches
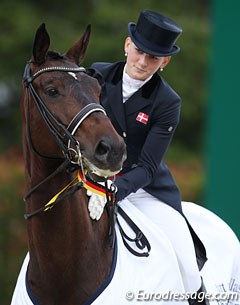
[(175, 227)]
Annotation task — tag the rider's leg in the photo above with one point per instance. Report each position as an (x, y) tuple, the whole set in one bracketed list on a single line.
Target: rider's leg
[(174, 226)]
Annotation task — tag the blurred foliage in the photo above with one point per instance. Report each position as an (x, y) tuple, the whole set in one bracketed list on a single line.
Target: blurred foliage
[(13, 241), (65, 24)]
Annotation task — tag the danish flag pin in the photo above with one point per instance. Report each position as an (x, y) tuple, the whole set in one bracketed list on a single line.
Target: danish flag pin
[(142, 118)]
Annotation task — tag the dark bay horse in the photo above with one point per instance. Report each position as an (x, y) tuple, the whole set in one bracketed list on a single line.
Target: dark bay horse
[(70, 256)]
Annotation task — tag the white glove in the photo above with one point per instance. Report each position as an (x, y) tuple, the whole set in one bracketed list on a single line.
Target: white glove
[(97, 203)]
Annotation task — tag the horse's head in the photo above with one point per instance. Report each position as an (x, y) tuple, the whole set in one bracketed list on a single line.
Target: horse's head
[(61, 111)]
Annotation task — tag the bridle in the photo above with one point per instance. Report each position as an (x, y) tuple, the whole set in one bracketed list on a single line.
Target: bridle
[(70, 147), (64, 135)]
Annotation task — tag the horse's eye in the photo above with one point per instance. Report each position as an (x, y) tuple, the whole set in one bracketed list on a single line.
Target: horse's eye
[(52, 92)]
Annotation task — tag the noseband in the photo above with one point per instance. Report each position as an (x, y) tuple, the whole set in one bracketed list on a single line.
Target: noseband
[(63, 135)]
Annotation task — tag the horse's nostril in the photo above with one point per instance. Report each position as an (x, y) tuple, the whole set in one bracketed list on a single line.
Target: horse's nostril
[(102, 149), (110, 154)]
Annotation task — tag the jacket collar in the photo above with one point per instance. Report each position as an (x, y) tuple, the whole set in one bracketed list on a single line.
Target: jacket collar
[(113, 86), (146, 89)]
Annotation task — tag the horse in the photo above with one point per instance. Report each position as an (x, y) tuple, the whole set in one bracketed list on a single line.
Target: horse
[(69, 146), (62, 120)]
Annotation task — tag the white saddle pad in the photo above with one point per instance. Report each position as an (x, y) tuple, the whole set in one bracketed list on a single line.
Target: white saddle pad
[(156, 279), (221, 272)]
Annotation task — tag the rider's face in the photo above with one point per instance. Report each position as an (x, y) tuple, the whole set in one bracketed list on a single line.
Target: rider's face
[(140, 65)]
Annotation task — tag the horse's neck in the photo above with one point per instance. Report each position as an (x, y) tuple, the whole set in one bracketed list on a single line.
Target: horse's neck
[(65, 245)]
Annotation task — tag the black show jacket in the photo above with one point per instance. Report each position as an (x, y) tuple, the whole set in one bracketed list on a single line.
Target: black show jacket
[(146, 143)]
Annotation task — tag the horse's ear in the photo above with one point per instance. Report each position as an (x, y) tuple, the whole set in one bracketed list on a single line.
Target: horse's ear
[(41, 45), (78, 50)]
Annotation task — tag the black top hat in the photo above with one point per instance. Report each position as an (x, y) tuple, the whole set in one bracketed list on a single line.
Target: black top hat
[(155, 34)]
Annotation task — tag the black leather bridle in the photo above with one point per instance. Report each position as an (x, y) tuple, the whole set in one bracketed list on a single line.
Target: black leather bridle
[(64, 135), (70, 147)]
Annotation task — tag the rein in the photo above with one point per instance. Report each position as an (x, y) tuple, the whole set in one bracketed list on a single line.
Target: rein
[(82, 181)]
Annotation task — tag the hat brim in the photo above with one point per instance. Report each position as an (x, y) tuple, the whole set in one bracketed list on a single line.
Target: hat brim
[(145, 48)]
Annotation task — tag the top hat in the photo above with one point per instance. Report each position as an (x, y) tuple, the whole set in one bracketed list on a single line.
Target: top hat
[(155, 34)]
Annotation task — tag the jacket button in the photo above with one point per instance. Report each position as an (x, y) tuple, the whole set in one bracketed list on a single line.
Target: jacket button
[(124, 134)]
